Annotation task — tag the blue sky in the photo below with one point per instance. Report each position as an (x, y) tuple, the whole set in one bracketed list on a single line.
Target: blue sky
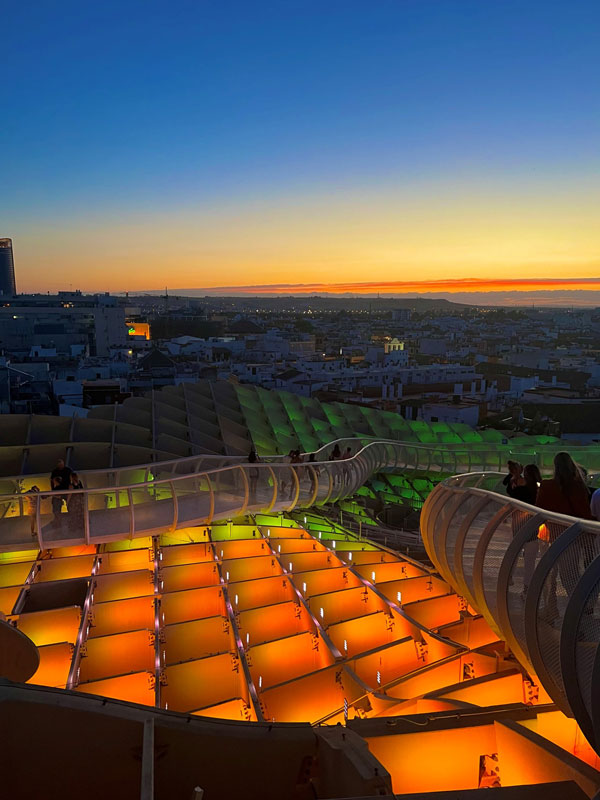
[(120, 113)]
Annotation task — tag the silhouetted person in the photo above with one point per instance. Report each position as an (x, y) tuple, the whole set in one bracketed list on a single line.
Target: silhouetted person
[(62, 474), (527, 485), (565, 493), (335, 453), (514, 476), (526, 490), (56, 500)]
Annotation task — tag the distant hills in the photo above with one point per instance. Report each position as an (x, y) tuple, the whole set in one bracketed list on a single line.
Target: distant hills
[(558, 298)]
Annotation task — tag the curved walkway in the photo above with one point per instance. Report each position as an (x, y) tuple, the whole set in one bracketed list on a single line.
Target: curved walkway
[(535, 577), (167, 500)]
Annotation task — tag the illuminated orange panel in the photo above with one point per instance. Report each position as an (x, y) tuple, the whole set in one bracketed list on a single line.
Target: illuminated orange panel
[(365, 633), (327, 580), (50, 627), (8, 598), (455, 753), (311, 697), (274, 622), (192, 604), (498, 690), (302, 562), (446, 674), (55, 663), (14, 574), (117, 655), (528, 759), (434, 612), (189, 576), (231, 709), (185, 554), (135, 688), (197, 639), (471, 631), (126, 561), (413, 589), (245, 569), (362, 557), (436, 677), (383, 666), (120, 585), (118, 616), (297, 545), (199, 684), (74, 550), (347, 604), (60, 569), (241, 548), (285, 659), (565, 732), (388, 572), (436, 648), (139, 543), (266, 591), (184, 536)]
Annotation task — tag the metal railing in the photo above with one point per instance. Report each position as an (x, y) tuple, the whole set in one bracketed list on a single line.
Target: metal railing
[(535, 577), (443, 459), (111, 512)]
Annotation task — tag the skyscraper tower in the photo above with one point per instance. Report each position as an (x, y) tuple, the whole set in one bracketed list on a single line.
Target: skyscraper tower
[(8, 287)]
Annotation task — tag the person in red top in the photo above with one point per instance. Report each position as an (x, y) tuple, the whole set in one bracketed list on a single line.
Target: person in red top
[(566, 492)]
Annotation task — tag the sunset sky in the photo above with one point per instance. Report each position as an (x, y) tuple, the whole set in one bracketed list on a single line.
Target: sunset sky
[(376, 146)]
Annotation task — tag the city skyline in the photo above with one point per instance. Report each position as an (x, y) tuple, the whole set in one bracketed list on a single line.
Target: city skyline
[(274, 146)]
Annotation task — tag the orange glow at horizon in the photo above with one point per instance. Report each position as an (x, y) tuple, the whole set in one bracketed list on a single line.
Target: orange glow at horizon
[(445, 235), (442, 285)]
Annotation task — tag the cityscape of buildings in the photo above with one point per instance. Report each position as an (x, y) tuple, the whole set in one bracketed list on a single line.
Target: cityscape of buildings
[(526, 369)]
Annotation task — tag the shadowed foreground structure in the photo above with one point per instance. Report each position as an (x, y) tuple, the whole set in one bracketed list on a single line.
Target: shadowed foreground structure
[(260, 649)]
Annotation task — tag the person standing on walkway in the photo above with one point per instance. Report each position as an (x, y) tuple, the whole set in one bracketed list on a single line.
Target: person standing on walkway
[(565, 493)]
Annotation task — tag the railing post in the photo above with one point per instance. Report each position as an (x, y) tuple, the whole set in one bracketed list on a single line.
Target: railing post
[(131, 514), (296, 480), (275, 489), (311, 471), (211, 512), (38, 520), (246, 491), (86, 517), (175, 506)]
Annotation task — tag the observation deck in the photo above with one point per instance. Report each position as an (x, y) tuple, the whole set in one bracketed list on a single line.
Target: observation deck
[(535, 577), (158, 497)]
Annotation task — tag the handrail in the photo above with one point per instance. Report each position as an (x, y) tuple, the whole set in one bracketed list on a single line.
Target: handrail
[(447, 458), (535, 577), (105, 513)]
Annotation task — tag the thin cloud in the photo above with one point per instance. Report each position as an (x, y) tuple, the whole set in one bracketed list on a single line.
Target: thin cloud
[(450, 285)]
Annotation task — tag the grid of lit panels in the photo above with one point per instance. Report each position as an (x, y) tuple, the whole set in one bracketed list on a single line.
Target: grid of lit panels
[(272, 619), (282, 619)]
